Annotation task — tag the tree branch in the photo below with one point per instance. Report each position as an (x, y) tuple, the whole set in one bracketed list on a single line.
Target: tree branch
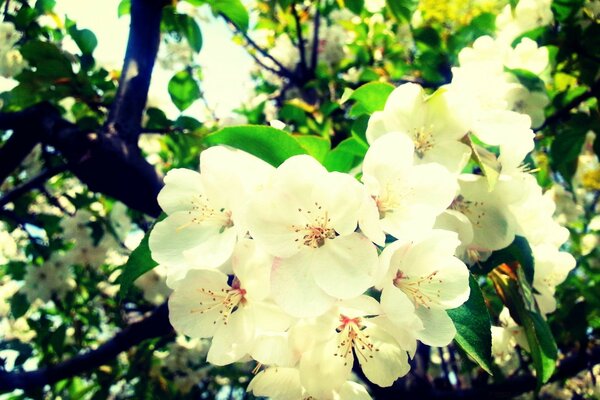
[(315, 41), (33, 183), (301, 43), (126, 112), (283, 71), (153, 326), (564, 112), (27, 126)]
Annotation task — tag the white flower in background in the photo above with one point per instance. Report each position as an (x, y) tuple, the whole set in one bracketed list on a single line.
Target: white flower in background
[(205, 210), (307, 217), (568, 211), (48, 281), (551, 269), (8, 288), (493, 225), (455, 221), (505, 337), (408, 197), (205, 305), (429, 121), (528, 56), (426, 273), (8, 246), (523, 101), (374, 6), (528, 15), (284, 384), (534, 216), (352, 330), (174, 55), (11, 60), (153, 285)]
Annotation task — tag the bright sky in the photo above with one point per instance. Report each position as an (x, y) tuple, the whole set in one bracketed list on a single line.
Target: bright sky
[(226, 66)]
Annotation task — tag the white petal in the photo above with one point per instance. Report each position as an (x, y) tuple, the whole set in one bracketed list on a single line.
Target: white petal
[(322, 372), (294, 289), (344, 266), (438, 329), (252, 266), (353, 391), (388, 363), (184, 303), (233, 340), (277, 383), (182, 186)]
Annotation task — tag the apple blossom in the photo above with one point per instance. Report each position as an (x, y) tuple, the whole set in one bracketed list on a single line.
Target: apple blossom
[(306, 217)]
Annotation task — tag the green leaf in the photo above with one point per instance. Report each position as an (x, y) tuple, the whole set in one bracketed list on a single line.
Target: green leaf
[(355, 6), (183, 89), (19, 305), (45, 6), (402, 10), (85, 39), (316, 146), (234, 10), (124, 8), (474, 327), (488, 162), (140, 261), (347, 155), (267, 143), (567, 144), (518, 297), (518, 251), (370, 97), (528, 79), (190, 29), (50, 62)]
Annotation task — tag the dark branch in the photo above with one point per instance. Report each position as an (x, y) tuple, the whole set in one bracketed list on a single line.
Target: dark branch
[(564, 112), (34, 183), (315, 40), (156, 325), (125, 115), (301, 43), (26, 126)]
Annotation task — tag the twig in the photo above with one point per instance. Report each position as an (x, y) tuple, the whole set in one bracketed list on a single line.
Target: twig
[(283, 71), (564, 112), (315, 41), (301, 43), (33, 183)]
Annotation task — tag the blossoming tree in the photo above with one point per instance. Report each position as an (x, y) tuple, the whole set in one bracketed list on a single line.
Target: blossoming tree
[(406, 205)]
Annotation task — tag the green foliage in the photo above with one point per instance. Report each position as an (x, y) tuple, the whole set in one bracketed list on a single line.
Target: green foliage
[(370, 97), (233, 10), (140, 261), (473, 327), (183, 89), (269, 144), (402, 10), (518, 251)]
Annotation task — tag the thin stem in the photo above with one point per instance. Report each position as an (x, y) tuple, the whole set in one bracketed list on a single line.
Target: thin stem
[(315, 42), (301, 43), (283, 71)]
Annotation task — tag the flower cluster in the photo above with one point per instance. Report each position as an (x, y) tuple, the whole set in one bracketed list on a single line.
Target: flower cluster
[(281, 264)]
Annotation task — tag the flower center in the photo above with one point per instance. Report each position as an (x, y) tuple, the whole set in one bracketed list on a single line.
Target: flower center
[(416, 288), (423, 140), (315, 233), (351, 336), (202, 211), (225, 301)]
